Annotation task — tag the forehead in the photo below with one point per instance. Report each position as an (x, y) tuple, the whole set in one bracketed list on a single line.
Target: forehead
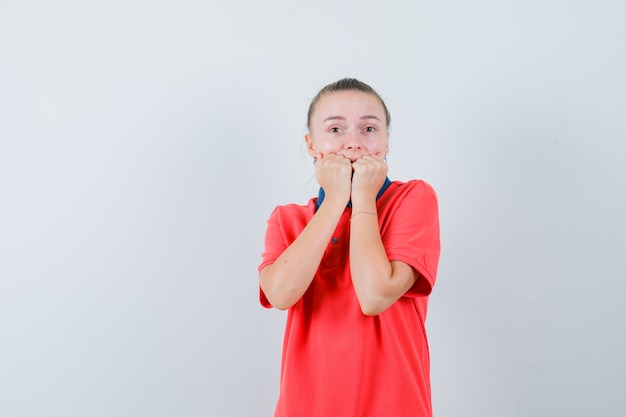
[(348, 103)]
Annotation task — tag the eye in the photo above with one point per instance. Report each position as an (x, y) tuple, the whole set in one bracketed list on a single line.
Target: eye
[(334, 130), (370, 129)]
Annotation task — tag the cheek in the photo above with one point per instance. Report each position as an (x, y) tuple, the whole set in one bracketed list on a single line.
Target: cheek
[(378, 146), (329, 147)]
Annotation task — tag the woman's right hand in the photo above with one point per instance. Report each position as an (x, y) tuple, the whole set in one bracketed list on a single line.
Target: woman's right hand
[(334, 175)]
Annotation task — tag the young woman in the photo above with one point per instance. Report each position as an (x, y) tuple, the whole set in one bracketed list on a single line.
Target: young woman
[(354, 268)]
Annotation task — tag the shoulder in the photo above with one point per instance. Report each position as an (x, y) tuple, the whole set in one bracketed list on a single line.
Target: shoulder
[(287, 221), (294, 209), (408, 199), (414, 185), (411, 189), (293, 213)]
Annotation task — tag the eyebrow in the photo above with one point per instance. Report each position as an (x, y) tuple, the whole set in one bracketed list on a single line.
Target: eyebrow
[(367, 116)]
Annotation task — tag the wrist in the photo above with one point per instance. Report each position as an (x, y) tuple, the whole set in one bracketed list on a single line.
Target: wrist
[(364, 195), (362, 202), (364, 213), (334, 202)]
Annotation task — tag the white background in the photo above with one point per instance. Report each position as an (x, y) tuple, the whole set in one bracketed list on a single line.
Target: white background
[(143, 144)]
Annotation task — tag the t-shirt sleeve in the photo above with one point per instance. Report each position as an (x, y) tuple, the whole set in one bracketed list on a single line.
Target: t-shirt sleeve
[(412, 234), (275, 245)]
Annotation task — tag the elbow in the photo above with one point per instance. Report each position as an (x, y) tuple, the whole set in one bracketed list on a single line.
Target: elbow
[(376, 300), (278, 299), (373, 306), (280, 305), (371, 312)]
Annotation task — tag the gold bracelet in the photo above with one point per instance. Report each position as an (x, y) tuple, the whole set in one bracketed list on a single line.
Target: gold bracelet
[(364, 212)]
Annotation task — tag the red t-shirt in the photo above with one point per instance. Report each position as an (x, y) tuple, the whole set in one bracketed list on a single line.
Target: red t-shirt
[(338, 362)]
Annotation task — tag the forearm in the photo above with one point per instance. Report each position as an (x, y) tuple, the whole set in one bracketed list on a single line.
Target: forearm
[(286, 280), (378, 283)]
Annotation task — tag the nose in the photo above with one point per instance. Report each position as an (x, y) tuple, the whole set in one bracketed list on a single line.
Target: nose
[(353, 140)]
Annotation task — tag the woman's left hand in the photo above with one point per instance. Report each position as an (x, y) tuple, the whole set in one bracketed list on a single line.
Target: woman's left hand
[(369, 175)]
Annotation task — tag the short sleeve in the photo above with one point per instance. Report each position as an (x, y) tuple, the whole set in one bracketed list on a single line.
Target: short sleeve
[(274, 246), (410, 233), (283, 227)]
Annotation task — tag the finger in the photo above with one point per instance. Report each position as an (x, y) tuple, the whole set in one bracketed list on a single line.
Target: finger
[(378, 156), (367, 160)]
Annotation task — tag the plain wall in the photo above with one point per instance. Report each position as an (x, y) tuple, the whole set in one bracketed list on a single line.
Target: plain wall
[(143, 145)]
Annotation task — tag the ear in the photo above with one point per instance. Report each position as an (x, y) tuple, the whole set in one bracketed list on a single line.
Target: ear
[(309, 146)]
